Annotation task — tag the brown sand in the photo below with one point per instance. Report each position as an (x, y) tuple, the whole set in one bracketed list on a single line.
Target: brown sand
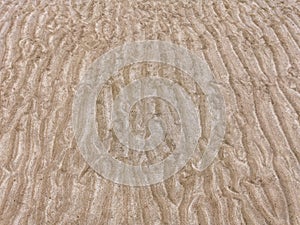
[(253, 50)]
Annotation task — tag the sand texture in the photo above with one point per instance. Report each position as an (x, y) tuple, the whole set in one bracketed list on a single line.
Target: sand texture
[(252, 49)]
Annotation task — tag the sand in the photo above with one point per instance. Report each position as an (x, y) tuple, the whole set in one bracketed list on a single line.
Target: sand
[(252, 49)]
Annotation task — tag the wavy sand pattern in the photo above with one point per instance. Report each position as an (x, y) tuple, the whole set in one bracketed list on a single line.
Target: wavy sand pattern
[(253, 51)]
